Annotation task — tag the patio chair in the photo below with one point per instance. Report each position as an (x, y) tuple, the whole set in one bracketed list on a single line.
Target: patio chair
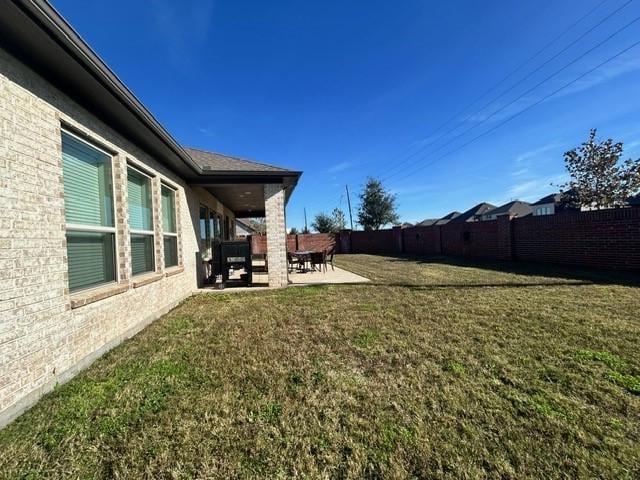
[(317, 260), (328, 257), (294, 262)]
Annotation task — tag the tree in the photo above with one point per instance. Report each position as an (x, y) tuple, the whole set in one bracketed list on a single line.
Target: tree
[(293, 231), (339, 220), (598, 178), (377, 206), (323, 223)]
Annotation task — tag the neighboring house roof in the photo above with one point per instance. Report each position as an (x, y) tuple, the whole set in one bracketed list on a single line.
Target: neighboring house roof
[(438, 221), (552, 198), (471, 214), (447, 218), (515, 208), (635, 200), (427, 222), (407, 225), (226, 163)]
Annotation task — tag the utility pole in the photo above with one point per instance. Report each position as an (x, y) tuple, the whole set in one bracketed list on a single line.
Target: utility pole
[(306, 230), (349, 204)]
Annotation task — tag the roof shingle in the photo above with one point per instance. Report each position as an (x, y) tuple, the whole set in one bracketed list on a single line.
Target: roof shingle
[(219, 162)]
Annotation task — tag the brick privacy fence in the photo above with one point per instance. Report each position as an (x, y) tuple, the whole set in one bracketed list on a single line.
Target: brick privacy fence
[(312, 241), (601, 239)]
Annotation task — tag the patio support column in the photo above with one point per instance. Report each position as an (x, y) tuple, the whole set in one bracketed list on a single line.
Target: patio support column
[(276, 235)]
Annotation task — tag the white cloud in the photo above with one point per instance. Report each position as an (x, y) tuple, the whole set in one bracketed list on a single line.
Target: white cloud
[(606, 73), (206, 132), (339, 167), (534, 188), (183, 27)]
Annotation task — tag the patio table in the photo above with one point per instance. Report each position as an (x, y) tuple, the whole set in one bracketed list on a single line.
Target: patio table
[(303, 256)]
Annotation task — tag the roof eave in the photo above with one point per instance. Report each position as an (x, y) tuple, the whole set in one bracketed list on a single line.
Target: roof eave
[(70, 46)]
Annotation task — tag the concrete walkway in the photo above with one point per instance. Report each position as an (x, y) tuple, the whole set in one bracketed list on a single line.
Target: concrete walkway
[(296, 279)]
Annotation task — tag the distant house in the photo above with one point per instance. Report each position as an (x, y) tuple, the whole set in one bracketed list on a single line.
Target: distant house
[(427, 222), (547, 205), (511, 210), (438, 221), (243, 229), (474, 214), (447, 218), (407, 225), (550, 205)]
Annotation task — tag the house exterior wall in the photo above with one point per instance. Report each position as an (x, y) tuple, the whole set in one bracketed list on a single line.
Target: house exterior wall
[(46, 333), (544, 209)]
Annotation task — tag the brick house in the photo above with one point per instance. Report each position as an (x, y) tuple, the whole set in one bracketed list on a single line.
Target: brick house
[(105, 217)]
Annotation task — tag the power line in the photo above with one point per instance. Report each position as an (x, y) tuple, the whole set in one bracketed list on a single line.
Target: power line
[(524, 94), (518, 82), (538, 102)]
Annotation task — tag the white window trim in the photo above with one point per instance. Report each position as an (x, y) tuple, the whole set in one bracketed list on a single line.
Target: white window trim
[(94, 228), (150, 233)]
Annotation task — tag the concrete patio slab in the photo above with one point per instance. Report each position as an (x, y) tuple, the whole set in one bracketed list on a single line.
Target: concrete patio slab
[(296, 279)]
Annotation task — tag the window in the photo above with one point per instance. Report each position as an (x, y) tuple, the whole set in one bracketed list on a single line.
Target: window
[(88, 200), (205, 233), (543, 211), (170, 231), (140, 222)]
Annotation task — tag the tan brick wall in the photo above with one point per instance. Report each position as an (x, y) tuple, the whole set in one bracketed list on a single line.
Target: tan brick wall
[(42, 339), (274, 203)]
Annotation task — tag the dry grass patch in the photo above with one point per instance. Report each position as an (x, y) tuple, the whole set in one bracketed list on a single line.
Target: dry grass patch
[(435, 370)]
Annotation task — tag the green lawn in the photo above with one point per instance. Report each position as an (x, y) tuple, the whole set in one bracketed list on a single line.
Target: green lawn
[(434, 370)]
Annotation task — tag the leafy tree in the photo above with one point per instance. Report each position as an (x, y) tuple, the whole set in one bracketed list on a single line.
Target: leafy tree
[(598, 178), (339, 220), (293, 231), (377, 206), (323, 223)]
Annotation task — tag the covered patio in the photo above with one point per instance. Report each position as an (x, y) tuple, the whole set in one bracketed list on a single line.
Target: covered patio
[(250, 190)]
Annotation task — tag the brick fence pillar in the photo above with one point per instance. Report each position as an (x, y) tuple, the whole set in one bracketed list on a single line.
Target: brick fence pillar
[(505, 238), (344, 241), (398, 244), (276, 235)]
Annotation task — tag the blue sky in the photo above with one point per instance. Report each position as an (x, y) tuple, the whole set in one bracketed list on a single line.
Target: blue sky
[(344, 90)]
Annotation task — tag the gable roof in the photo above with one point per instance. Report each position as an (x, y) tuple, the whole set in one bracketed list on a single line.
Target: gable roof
[(516, 207), (468, 216), (226, 163), (427, 222), (447, 218), (551, 198)]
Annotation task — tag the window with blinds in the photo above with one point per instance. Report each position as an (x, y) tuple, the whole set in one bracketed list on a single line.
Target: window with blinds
[(140, 221), (88, 199), (170, 232)]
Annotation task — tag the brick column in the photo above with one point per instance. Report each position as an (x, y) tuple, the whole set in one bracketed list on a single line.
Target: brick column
[(276, 235), (156, 200), (123, 238), (398, 240), (344, 241), (505, 239)]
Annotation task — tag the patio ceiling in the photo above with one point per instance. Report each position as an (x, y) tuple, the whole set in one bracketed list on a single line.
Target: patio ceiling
[(246, 200)]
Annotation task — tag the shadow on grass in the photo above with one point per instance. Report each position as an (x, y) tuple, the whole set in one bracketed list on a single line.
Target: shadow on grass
[(580, 275)]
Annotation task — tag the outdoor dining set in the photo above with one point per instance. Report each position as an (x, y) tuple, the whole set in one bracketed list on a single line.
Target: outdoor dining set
[(303, 261)]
